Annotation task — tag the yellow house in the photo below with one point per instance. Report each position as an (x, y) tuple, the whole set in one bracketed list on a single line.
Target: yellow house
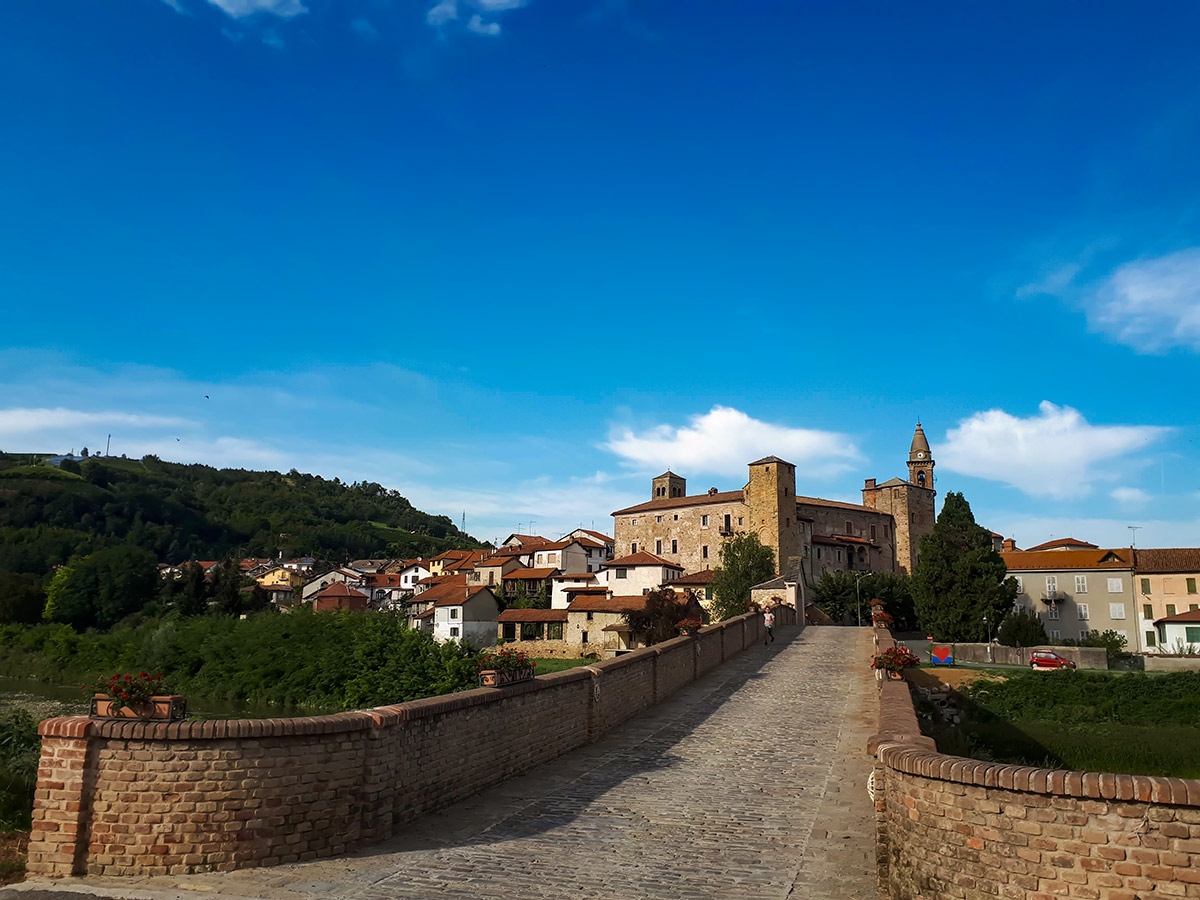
[(280, 577)]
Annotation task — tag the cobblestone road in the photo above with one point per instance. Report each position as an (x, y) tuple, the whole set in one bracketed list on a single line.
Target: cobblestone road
[(750, 783)]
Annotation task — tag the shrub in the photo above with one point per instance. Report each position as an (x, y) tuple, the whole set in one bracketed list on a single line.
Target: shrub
[(1022, 628)]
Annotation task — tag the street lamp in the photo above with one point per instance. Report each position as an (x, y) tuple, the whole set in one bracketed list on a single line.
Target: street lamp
[(858, 595), (989, 634)]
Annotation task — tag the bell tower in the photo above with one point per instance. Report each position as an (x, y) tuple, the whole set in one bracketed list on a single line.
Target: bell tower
[(920, 460)]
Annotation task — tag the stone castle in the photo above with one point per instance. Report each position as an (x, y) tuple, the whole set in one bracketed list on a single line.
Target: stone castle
[(809, 535)]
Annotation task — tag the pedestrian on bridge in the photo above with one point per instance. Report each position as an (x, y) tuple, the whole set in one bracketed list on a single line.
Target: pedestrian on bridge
[(769, 627)]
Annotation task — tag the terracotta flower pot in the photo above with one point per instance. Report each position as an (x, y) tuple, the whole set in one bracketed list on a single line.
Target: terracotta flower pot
[(893, 675), (164, 706), (495, 678)]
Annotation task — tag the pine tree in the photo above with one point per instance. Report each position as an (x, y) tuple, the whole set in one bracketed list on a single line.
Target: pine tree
[(194, 600), (960, 578)]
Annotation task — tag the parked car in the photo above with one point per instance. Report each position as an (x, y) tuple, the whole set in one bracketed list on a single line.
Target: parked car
[(1048, 659)]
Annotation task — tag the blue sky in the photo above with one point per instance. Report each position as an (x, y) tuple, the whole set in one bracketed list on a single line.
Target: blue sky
[(514, 257)]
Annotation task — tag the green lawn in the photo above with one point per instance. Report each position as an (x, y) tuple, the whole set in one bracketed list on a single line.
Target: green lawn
[(546, 666)]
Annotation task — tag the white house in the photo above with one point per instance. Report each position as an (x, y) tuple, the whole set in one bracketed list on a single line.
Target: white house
[(412, 572), (466, 614), (563, 586), (639, 573), (1176, 633), (349, 577)]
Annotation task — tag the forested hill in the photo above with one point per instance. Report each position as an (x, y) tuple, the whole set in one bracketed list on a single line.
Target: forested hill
[(179, 512)]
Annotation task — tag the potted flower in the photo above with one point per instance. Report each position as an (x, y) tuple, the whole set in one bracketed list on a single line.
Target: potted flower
[(503, 666), (690, 625), (882, 619), (140, 696), (894, 661)]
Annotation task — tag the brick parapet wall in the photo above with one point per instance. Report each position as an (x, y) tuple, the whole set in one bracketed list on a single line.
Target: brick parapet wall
[(126, 797), (952, 827)]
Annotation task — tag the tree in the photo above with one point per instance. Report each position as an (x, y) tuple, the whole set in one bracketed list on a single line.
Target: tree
[(227, 587), (665, 609), (745, 562), (104, 587), (959, 577), (836, 594), (194, 600), (1022, 628), (21, 598)]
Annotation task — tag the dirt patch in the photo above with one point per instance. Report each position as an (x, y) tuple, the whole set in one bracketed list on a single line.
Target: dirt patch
[(14, 846), (953, 678)]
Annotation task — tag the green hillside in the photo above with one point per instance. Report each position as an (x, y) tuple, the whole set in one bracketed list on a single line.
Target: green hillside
[(179, 512)]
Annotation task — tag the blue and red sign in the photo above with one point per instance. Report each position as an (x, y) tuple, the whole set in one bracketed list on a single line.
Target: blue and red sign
[(941, 656)]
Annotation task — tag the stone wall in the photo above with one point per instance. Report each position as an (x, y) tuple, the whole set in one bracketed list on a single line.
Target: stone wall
[(1084, 657), (135, 797), (951, 827), (685, 525), (1157, 662)]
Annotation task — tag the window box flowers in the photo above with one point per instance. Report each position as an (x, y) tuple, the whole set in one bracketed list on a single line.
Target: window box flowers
[(500, 667), (140, 696), (894, 661), (690, 625)]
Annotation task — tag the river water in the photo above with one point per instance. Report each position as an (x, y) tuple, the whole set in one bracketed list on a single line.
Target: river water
[(44, 700)]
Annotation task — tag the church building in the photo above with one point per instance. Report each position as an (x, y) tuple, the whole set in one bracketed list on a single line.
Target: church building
[(808, 535)]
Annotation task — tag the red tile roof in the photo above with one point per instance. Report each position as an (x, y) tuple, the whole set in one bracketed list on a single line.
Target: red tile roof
[(675, 502), (529, 574), (1068, 543), (586, 603), (603, 538), (338, 589), (1168, 559), (575, 576), (704, 576), (532, 615), (382, 579), (1192, 615), (1026, 560), (642, 558)]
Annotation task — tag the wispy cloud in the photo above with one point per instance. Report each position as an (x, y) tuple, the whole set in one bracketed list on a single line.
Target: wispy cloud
[(273, 40), (477, 25), (239, 9), (722, 440), (1130, 496), (175, 5), (1151, 305), (364, 29), (1056, 453), (499, 5), (25, 421), (445, 11), (1053, 281), (232, 35)]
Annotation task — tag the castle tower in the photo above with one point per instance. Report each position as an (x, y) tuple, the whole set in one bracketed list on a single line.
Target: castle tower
[(668, 484), (771, 507), (920, 460), (911, 502)]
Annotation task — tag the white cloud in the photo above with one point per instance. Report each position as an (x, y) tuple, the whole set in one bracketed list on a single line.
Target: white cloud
[(364, 29), (239, 9), (1151, 305), (478, 26), (723, 440), (46, 421), (499, 5), (1053, 281), (1131, 496), (273, 40), (174, 4), (1056, 453), (443, 12)]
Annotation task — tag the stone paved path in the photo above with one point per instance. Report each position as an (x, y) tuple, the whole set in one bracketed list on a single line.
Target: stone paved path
[(750, 783)]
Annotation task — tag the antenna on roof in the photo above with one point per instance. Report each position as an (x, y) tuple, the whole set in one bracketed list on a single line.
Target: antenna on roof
[(1133, 539)]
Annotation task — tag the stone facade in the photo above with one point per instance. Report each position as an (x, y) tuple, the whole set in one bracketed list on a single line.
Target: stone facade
[(689, 534), (910, 503), (135, 797), (952, 828), (771, 507)]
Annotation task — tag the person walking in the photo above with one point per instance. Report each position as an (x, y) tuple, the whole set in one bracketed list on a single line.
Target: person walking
[(769, 627)]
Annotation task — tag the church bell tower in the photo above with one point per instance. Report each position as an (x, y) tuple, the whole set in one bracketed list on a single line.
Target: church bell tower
[(920, 460)]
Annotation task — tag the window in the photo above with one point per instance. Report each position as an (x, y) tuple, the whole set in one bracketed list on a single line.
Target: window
[(1170, 609), (658, 518), (633, 521), (589, 616), (787, 523), (622, 573), (453, 632), (1081, 584), (633, 547), (704, 521), (1056, 634), (1020, 584), (583, 637), (741, 521), (1051, 585), (839, 556), (1149, 638), (554, 631), (1192, 635), (1145, 585), (1147, 611), (674, 546), (704, 552), (658, 547), (1116, 610), (454, 612), (818, 553), (510, 631), (531, 631), (1192, 607), (1083, 611), (675, 517), (872, 532), (1052, 615), (1115, 586), (1191, 585), (1083, 634), (849, 527)]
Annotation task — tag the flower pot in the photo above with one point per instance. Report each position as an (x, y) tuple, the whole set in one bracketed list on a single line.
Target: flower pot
[(165, 706), (499, 678), (893, 675)]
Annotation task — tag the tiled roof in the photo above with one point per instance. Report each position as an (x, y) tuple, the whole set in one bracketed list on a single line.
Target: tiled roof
[(496, 560), (589, 603), (1068, 543), (382, 579), (852, 539), (769, 459), (704, 576), (529, 574), (1192, 615), (444, 586), (528, 541), (891, 482), (642, 558), (532, 615), (590, 544), (675, 502), (339, 589), (604, 538), (459, 595), (588, 589), (1027, 560), (838, 504), (1169, 559)]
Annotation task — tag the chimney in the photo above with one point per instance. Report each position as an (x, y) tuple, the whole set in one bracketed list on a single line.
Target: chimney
[(870, 483), (711, 491), (1009, 545)]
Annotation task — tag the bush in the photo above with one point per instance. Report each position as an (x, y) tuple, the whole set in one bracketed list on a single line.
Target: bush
[(19, 750), (1022, 628)]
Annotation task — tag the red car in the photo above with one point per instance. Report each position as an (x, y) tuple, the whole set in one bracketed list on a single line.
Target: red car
[(1048, 659)]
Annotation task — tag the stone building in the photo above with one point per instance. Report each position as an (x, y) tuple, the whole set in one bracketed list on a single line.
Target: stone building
[(810, 533)]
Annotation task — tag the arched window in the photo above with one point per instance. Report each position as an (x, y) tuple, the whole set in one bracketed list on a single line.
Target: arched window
[(920, 479)]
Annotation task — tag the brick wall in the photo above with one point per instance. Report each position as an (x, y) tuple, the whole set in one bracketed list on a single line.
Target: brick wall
[(135, 797), (951, 827)]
